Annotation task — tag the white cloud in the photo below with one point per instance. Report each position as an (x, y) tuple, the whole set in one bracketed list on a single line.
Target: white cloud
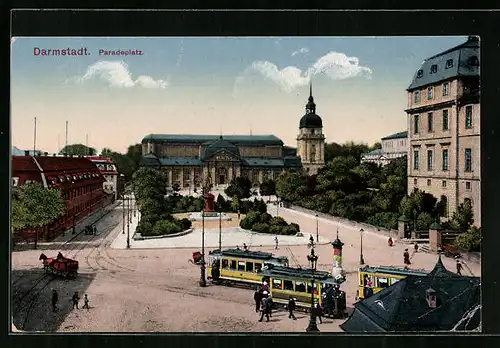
[(335, 65), (303, 50), (117, 74)]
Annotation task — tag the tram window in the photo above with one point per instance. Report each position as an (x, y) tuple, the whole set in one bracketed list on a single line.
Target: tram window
[(258, 267), (233, 264), (309, 287), (225, 263), (300, 287), (249, 266), (277, 284), (383, 282), (241, 265), (288, 285)]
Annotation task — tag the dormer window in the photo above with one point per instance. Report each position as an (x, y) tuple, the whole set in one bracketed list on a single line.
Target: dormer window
[(434, 69), (420, 73), (449, 63), (473, 61)]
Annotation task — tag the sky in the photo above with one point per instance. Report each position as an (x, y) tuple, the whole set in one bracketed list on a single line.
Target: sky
[(219, 85)]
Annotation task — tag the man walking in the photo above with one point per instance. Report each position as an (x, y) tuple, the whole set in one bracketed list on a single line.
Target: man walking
[(275, 242), (291, 307), (55, 298), (459, 267), (318, 312), (75, 300), (86, 302), (406, 256), (257, 296), (264, 308)]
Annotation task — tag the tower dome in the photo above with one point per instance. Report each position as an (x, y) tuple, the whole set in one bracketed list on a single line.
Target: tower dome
[(310, 119)]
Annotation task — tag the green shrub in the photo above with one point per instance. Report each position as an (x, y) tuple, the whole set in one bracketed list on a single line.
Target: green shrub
[(164, 227), (424, 220), (470, 240), (245, 206), (278, 221), (246, 224), (288, 230), (275, 229), (260, 227), (295, 227), (145, 228), (185, 224), (260, 206), (252, 217), (265, 218)]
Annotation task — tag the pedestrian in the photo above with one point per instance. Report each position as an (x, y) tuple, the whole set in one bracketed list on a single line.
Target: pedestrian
[(55, 298), (86, 302), (459, 267), (311, 239), (270, 304), (390, 242), (291, 307), (406, 256), (245, 247), (276, 242), (319, 312), (265, 286), (416, 247), (60, 256), (264, 307), (238, 215), (75, 300), (257, 296)]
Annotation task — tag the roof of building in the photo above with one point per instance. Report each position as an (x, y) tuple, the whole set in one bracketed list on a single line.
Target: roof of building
[(23, 164), (219, 145), (199, 138), (18, 152), (310, 119), (151, 160), (100, 159), (180, 161), (399, 135), (292, 161), (376, 152), (455, 62), (403, 306), (263, 162), (61, 163)]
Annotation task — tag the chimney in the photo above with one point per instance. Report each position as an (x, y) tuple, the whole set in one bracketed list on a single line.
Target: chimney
[(430, 295), (26, 152), (473, 38)]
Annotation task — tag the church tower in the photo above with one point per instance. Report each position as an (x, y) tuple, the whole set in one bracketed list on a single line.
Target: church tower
[(311, 141)]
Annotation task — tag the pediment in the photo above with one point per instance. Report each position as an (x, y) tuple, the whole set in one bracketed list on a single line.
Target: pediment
[(223, 155)]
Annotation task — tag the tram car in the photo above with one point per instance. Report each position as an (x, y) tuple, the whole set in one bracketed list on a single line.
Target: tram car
[(376, 278), (286, 282), (240, 266), (59, 266)]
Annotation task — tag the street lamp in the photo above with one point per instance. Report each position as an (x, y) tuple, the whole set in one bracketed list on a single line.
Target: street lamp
[(317, 229), (361, 259), (277, 206), (220, 228), (203, 281), (128, 223), (73, 208), (313, 259)]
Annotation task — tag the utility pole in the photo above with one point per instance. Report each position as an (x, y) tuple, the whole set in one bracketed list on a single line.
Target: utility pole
[(34, 140)]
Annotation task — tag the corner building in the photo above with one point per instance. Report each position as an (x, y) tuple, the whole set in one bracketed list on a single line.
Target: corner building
[(444, 128)]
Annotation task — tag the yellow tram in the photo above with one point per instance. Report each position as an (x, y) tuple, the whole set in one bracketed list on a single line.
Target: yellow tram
[(242, 265), (375, 279), (286, 282)]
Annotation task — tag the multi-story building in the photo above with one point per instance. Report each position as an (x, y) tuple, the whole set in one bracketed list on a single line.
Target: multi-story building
[(109, 173), (78, 179), (444, 128), (393, 146)]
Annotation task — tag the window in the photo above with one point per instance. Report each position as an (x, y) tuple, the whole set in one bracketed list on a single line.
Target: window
[(446, 89), (233, 264), (430, 160), (434, 69), (258, 267), (277, 284), (445, 120), (225, 264), (382, 282), (415, 182), (241, 266), (467, 185), (468, 117), (443, 184), (416, 159), (416, 124), (420, 73), (249, 266), (430, 121), (445, 159), (300, 287), (467, 201), (429, 182), (474, 61), (430, 91), (288, 285), (309, 288), (468, 160), (449, 63), (416, 97)]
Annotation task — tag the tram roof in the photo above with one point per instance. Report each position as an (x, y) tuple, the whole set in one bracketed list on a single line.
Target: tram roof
[(260, 255), (301, 273), (393, 270)]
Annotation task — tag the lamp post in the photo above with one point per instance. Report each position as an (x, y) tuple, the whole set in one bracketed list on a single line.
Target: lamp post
[(361, 259), (203, 281), (73, 208), (128, 223), (123, 214), (277, 206), (313, 259), (317, 229), (220, 229)]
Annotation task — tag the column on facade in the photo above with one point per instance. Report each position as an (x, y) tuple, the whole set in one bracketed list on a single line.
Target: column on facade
[(182, 177), (170, 178), (229, 174), (212, 175), (261, 175), (192, 179)]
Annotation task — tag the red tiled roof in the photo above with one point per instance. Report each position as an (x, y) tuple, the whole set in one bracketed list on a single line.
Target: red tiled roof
[(100, 159), (61, 164), (23, 164)]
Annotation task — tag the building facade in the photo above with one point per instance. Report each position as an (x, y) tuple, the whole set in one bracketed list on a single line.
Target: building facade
[(109, 173), (393, 146), (444, 128), (311, 140), (78, 179)]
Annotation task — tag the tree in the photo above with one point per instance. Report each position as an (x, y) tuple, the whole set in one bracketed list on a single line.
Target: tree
[(134, 152), (291, 187), (149, 183), (35, 206), (78, 150), (338, 174), (235, 203), (239, 187), (124, 164), (470, 240), (267, 188), (463, 218), (106, 152)]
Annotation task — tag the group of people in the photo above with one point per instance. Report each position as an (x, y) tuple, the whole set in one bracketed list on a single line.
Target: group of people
[(75, 299), (263, 301)]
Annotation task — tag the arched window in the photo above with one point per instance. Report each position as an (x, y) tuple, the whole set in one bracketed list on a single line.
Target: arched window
[(445, 206), (468, 201), (312, 156)]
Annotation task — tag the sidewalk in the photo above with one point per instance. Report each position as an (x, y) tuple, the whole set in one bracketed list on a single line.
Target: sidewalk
[(80, 225)]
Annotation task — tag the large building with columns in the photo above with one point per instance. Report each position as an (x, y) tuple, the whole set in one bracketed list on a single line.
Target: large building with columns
[(444, 126), (194, 160)]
